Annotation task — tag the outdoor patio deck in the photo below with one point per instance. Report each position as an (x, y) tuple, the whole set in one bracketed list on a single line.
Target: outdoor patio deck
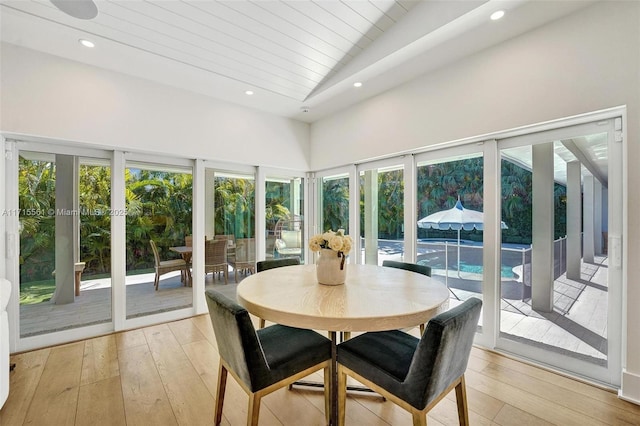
[(577, 326), (93, 306)]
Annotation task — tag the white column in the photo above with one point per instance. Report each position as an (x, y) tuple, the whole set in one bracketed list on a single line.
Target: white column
[(198, 227), (209, 203), (542, 241), (588, 214), (597, 216), (118, 242), (574, 219), (294, 196), (64, 221), (76, 208), (371, 217)]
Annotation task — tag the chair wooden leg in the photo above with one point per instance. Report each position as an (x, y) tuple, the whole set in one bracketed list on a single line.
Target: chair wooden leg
[(342, 396), (421, 329), (254, 410), (262, 323), (461, 398), (156, 282), (419, 418), (327, 395), (222, 385)]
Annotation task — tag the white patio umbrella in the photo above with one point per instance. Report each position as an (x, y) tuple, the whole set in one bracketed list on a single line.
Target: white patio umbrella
[(455, 218)]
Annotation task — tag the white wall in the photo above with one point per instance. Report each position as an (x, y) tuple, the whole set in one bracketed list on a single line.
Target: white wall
[(585, 62), (48, 96)]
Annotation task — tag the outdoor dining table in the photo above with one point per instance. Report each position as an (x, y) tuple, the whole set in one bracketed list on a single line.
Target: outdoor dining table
[(373, 298), (186, 252)]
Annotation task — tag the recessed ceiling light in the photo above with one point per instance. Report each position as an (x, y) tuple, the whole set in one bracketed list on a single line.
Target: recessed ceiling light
[(357, 84), (86, 43), (497, 15), (248, 92)]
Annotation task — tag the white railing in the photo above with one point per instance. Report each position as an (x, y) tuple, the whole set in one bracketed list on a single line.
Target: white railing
[(518, 258)]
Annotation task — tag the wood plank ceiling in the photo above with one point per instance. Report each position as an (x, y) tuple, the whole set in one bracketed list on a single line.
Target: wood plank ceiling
[(292, 54), (285, 47)]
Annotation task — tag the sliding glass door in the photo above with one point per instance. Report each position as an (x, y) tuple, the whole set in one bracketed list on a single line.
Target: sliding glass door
[(561, 196), (158, 218), (64, 213), (284, 217), (450, 202), (381, 211)]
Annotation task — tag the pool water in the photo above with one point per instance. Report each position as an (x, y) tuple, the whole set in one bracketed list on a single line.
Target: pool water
[(505, 270)]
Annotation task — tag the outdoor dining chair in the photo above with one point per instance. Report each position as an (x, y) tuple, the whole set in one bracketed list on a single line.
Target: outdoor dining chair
[(263, 265), (413, 373), (215, 258), (262, 361), (244, 258), (164, 266)]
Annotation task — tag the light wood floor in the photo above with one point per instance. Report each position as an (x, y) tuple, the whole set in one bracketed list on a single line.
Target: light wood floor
[(166, 375)]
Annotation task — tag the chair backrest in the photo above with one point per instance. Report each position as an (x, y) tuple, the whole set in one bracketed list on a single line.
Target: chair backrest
[(215, 252), (188, 240), (156, 256), (443, 352), (245, 250), (413, 267), (238, 343), (263, 265), (230, 238)]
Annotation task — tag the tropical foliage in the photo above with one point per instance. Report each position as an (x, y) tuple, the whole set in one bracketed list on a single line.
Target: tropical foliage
[(159, 207), (439, 187), (335, 203)]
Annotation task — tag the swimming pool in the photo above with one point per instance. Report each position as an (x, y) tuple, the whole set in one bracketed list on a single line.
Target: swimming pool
[(433, 253), (505, 270)]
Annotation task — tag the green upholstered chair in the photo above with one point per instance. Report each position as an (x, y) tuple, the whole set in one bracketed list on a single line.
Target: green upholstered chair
[(413, 373), (265, 360), (263, 265), (413, 267)]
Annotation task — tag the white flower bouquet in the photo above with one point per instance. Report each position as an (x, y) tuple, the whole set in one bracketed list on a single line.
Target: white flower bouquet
[(335, 241)]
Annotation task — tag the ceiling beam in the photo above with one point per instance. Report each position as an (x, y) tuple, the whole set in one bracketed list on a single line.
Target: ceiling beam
[(585, 161)]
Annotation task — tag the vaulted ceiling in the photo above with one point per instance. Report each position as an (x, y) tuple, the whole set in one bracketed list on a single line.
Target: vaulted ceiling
[(290, 53)]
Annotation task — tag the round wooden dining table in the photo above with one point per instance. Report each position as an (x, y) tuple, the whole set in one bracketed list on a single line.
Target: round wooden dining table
[(373, 298)]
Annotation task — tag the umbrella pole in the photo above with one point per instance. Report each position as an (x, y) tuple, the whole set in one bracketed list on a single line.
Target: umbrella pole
[(446, 264), (458, 253)]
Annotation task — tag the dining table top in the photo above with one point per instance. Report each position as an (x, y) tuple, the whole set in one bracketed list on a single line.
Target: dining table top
[(373, 298), (182, 249)]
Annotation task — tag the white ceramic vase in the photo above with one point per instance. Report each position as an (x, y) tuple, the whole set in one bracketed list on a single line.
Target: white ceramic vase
[(331, 267)]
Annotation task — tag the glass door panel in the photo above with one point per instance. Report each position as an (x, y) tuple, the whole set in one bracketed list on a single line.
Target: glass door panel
[(450, 222), (284, 197), (231, 216), (382, 214), (334, 208), (555, 188), (65, 254), (158, 207)]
